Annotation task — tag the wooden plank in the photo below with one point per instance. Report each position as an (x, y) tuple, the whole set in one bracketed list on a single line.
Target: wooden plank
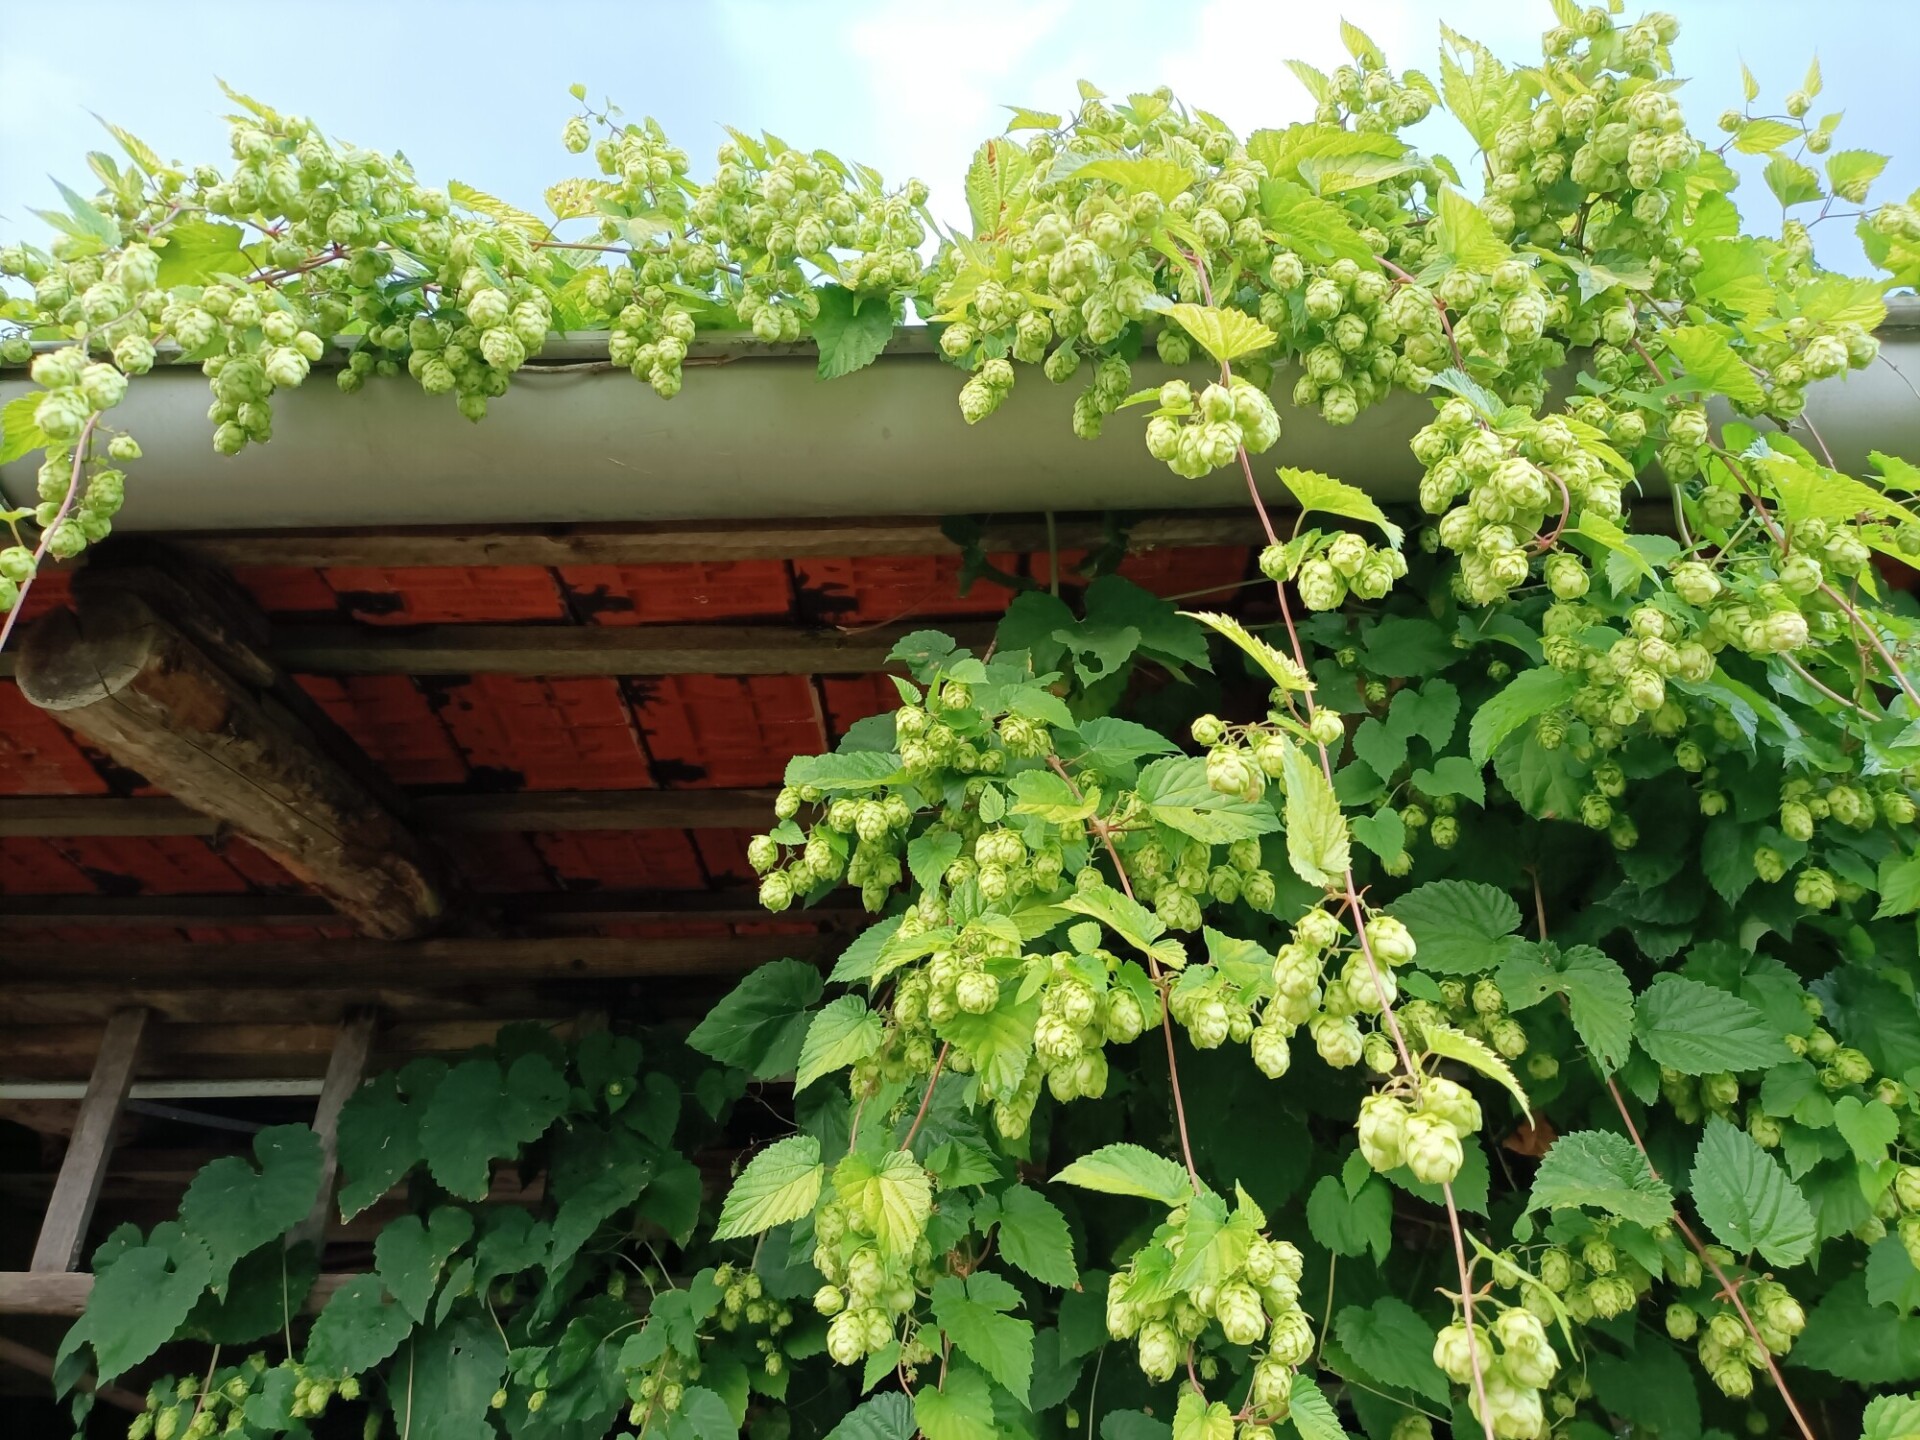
[(594, 649), (26, 1293), (53, 816), (38, 1362), (24, 816), (124, 677), (423, 964), (55, 1052), (680, 543), (345, 1067), (70, 1211), (555, 910), (556, 810)]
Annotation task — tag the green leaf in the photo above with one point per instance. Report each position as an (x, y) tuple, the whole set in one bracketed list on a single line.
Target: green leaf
[(851, 330), (1352, 1224), (1281, 669), (1791, 182), (1401, 646), (1141, 175), (1868, 1127), (409, 1255), (1311, 1412), (379, 1140), (359, 1328), (1323, 493), (1392, 1343), (848, 769), (1763, 136), (1176, 793), (1600, 1000), (972, 1312), (1653, 1388), (705, 1415), (780, 1184), (1133, 1425), (884, 1417), (1712, 364), (962, 1409), (20, 433), (1383, 832), (1195, 1419), (1453, 775), (143, 1297), (1461, 927), (999, 1043), (595, 1174), (198, 251), (1851, 172), (261, 1296), (481, 203), (1317, 842), (1746, 1199), (1124, 1169), (234, 1208), (762, 1024), (480, 1113), (1454, 1044), (1892, 1417), (454, 1370), (1899, 886), (1224, 334), (1034, 1237), (1043, 793), (896, 1198), (845, 1032), (1319, 230), (1464, 236), (1698, 1029), (1599, 1170)]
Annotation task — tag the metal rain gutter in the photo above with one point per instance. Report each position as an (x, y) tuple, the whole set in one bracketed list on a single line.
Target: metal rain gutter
[(755, 434)]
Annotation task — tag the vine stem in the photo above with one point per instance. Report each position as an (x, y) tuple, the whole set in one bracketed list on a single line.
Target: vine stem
[(1159, 982), (1354, 904), (1727, 1285), (926, 1100), (80, 447)]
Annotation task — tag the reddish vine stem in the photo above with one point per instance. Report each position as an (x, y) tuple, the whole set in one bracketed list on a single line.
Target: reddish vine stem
[(1355, 906), (40, 551), (926, 1100), (1159, 982), (1727, 1285)]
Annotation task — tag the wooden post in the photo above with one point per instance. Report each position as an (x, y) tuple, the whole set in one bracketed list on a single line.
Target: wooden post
[(344, 1070), (140, 689), (36, 1362), (70, 1208)]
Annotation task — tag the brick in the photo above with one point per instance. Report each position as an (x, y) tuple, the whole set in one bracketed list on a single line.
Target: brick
[(38, 755), (547, 734), (726, 730), (682, 594)]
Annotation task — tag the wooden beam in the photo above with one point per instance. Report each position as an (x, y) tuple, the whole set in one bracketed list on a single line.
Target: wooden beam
[(49, 816), (345, 1067), (64, 1229), (25, 1293), (131, 682), (679, 543), (53, 816), (425, 964), (594, 649), (38, 1362), (556, 910), (54, 1052)]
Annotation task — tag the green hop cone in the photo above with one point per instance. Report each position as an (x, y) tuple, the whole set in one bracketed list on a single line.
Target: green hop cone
[(1237, 1308), (1433, 1149), (1382, 1131)]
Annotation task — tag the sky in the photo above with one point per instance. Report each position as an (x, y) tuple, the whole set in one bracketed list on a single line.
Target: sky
[(477, 91)]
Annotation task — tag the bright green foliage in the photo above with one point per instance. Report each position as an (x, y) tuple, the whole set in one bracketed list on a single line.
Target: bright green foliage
[(1532, 924)]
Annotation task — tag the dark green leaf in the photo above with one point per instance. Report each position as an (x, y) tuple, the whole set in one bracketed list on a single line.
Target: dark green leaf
[(1746, 1199), (234, 1208), (1599, 1170), (761, 1026), (1698, 1029), (1461, 927), (1394, 1344), (851, 330)]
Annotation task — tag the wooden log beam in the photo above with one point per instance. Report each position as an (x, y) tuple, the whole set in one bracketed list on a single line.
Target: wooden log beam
[(425, 964), (55, 816), (558, 650), (557, 910), (293, 1049), (25, 1293), (136, 686), (38, 1362), (667, 544), (63, 1230)]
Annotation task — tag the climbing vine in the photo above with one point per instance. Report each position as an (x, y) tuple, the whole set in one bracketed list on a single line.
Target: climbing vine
[(1472, 994)]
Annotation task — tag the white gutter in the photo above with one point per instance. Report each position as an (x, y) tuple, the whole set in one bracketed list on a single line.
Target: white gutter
[(755, 433)]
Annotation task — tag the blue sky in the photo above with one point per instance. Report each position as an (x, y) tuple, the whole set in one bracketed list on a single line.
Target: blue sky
[(477, 91)]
